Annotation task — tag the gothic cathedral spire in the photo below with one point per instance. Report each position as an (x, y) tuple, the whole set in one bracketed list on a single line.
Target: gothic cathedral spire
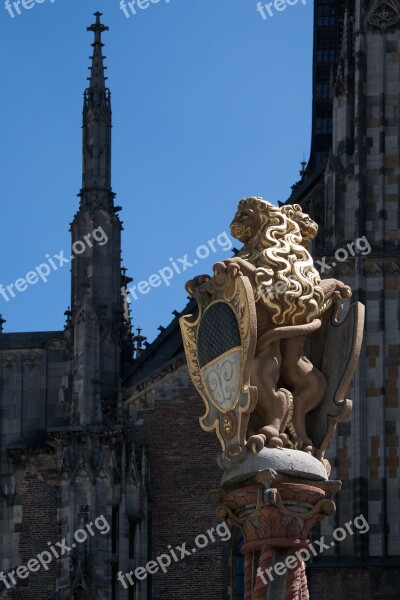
[(97, 309), (97, 121), (96, 228)]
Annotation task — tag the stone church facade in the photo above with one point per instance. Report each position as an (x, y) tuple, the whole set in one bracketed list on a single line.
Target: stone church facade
[(353, 193), (86, 431)]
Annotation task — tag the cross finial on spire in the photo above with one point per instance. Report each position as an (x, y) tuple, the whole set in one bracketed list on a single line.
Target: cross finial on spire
[(138, 343), (97, 28), (97, 78)]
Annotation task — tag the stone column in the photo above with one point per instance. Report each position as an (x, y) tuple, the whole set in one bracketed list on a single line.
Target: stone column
[(276, 514)]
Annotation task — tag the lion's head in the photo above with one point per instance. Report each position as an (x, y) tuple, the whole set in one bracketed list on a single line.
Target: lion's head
[(308, 227), (286, 279), (247, 221)]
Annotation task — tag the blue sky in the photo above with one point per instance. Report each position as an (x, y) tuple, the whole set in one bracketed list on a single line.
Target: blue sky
[(210, 104)]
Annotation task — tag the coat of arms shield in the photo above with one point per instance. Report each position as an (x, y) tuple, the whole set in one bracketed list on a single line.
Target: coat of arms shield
[(220, 344)]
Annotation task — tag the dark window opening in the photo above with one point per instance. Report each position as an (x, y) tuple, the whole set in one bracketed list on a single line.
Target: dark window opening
[(132, 537), (319, 158), (323, 126), (114, 581), (114, 529), (238, 567), (326, 55), (323, 90)]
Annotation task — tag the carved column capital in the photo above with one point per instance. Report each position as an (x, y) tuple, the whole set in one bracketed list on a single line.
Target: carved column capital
[(276, 522)]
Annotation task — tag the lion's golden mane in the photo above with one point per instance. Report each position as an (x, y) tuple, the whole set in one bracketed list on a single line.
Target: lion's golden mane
[(285, 276)]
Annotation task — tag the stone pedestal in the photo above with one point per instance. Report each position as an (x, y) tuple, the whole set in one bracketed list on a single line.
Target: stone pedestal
[(276, 511)]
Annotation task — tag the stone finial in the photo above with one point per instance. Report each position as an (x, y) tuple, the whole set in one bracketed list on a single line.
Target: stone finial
[(138, 342)]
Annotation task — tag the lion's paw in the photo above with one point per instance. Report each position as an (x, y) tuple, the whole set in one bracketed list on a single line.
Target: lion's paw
[(275, 442), (256, 442)]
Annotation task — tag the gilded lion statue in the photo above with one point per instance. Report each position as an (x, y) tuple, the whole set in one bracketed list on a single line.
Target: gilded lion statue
[(290, 300)]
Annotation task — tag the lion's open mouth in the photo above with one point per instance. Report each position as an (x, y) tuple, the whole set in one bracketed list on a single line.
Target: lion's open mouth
[(239, 230)]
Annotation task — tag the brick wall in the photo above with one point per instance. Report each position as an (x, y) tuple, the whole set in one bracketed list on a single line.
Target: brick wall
[(37, 499), (369, 583), (183, 470)]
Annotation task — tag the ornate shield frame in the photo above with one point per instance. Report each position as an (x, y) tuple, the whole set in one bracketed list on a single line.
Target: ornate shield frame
[(220, 344)]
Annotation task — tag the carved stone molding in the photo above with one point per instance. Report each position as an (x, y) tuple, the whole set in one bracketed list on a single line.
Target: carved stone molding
[(143, 396), (66, 436), (137, 467), (372, 268), (57, 344), (391, 268), (170, 368), (9, 360), (32, 359), (110, 338), (89, 456), (30, 451), (27, 457), (383, 14), (133, 474), (345, 269), (63, 593), (81, 567)]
